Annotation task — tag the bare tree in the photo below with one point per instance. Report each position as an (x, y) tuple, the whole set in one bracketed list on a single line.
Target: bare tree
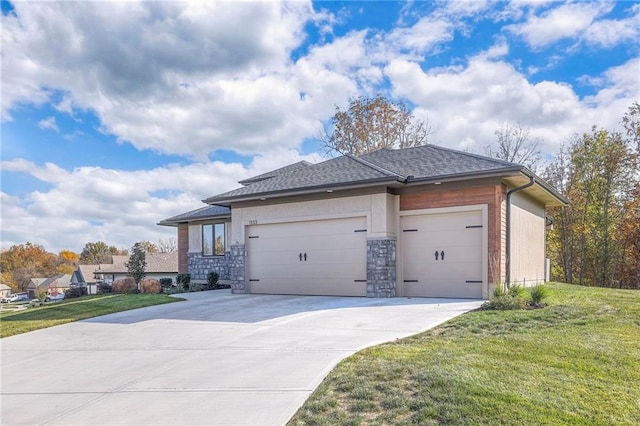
[(369, 124), (168, 245), (515, 146)]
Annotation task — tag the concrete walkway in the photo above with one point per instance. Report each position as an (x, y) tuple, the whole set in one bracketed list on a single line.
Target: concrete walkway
[(217, 359)]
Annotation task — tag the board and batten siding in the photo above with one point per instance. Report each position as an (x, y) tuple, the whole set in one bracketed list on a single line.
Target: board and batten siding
[(527, 240), (491, 195)]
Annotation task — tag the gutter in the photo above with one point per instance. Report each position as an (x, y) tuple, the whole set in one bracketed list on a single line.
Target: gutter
[(532, 181)]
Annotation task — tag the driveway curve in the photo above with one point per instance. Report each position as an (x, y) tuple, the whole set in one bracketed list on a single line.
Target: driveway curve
[(216, 359)]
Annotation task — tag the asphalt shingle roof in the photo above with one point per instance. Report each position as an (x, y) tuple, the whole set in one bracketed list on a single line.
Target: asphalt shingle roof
[(424, 162), (198, 214), (281, 171), (156, 263)]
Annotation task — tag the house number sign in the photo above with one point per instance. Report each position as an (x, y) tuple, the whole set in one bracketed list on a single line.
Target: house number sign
[(253, 222)]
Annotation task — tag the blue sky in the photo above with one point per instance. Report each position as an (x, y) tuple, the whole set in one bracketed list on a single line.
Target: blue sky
[(118, 115)]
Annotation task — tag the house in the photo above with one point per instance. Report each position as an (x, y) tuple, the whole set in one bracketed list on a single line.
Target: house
[(159, 265), (51, 286), (85, 274), (5, 290), (417, 222)]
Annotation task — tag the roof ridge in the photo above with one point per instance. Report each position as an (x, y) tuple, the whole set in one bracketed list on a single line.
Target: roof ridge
[(474, 155), (375, 166)]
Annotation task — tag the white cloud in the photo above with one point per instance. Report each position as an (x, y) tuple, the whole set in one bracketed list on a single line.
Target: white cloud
[(116, 206), (49, 123), (566, 21), (169, 76), (466, 105), (610, 32)]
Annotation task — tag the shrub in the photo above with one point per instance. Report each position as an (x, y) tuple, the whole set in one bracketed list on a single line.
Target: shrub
[(104, 288), (74, 292), (183, 278), (538, 294), (150, 285), (166, 282), (516, 290), (125, 285), (212, 279)]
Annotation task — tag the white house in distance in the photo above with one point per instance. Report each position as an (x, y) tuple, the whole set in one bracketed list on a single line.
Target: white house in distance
[(419, 222), (159, 265)]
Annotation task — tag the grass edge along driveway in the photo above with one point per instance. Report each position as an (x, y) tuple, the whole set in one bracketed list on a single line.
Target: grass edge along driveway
[(70, 310), (577, 361)]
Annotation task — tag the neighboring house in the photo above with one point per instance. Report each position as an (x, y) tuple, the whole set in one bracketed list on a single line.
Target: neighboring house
[(159, 265), (417, 222), (85, 274), (52, 285), (5, 290)]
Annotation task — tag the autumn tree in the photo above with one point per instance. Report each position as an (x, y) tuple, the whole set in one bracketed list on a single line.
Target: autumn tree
[(147, 246), (514, 144), (25, 261), (137, 263), (369, 124), (98, 252), (67, 262), (597, 173)]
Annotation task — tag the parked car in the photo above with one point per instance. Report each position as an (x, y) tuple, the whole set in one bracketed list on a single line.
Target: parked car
[(54, 297), (5, 299), (19, 297)]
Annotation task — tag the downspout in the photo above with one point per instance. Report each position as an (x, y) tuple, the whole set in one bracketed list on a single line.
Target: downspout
[(508, 236)]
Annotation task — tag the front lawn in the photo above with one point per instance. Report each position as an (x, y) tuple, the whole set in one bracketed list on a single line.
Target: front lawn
[(35, 318), (576, 361)]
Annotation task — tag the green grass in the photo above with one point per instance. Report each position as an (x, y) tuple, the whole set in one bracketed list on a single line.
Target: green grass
[(35, 318), (577, 361)]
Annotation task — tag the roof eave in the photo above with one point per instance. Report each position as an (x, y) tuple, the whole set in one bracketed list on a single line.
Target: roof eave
[(169, 222), (510, 171)]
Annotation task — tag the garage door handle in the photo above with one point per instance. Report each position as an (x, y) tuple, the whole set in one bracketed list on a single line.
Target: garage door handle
[(305, 257), (442, 255), (437, 254), (300, 256)]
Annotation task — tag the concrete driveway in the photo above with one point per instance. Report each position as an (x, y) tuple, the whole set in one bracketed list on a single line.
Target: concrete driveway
[(215, 359)]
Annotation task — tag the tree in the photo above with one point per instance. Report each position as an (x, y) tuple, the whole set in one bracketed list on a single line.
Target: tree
[(137, 263), (515, 146), (25, 261), (598, 174), (67, 262), (631, 123), (168, 245), (369, 124), (147, 246), (98, 252)]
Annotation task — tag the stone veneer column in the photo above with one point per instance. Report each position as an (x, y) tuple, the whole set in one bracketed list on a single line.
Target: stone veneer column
[(381, 267), (237, 269)]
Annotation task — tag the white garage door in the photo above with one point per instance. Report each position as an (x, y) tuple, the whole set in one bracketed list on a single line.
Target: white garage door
[(442, 255), (322, 257)]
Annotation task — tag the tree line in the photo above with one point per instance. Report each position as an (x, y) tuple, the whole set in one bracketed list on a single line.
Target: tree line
[(22, 262)]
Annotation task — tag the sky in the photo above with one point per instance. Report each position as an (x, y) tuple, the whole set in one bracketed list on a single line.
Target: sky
[(116, 115)]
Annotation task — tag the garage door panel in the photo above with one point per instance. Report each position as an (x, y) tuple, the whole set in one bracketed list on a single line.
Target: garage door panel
[(310, 286), (335, 257), (459, 236)]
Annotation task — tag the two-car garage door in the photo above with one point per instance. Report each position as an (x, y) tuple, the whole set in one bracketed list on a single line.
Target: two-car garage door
[(319, 257), (442, 255)]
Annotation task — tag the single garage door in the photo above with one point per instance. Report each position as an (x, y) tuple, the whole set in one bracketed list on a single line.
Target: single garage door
[(442, 255), (320, 257)]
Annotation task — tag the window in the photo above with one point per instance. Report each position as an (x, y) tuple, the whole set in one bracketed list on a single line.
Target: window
[(213, 239)]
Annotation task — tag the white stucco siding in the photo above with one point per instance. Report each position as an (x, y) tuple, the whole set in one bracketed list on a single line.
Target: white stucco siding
[(195, 238), (377, 208), (527, 240)]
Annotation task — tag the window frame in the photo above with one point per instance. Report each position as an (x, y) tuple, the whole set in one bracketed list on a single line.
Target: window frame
[(211, 237)]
